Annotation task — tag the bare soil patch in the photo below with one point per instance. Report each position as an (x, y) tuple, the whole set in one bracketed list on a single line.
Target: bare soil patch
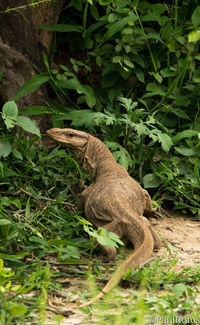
[(183, 232)]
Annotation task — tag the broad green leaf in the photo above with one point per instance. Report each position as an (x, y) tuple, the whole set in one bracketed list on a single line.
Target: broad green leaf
[(115, 237), (112, 17), (39, 240), (5, 222), (9, 122), (63, 28), (31, 85), (179, 289), (15, 287), (70, 252), (17, 154), (4, 228), (28, 125), (165, 140), (196, 17), (128, 62), (9, 172), (184, 134), (89, 96), (150, 181), (94, 12), (155, 14), (154, 89), (121, 155), (5, 148), (10, 109), (9, 114), (194, 36), (188, 152), (72, 84), (87, 118), (117, 26), (17, 310)]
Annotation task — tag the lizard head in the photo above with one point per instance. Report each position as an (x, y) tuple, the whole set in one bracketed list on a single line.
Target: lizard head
[(73, 139)]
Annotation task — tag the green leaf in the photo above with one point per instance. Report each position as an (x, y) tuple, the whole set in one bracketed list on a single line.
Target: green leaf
[(120, 154), (5, 148), (9, 122), (154, 89), (17, 154), (94, 12), (4, 228), (115, 237), (39, 240), (196, 17), (36, 110), (28, 125), (17, 310), (31, 85), (72, 84), (184, 134), (179, 289), (5, 222), (87, 118), (63, 28), (165, 140), (150, 181), (185, 151), (155, 14), (10, 109), (118, 26), (194, 36), (9, 114)]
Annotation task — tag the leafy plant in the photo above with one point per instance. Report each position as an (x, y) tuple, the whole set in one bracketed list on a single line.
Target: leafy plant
[(10, 117), (138, 74)]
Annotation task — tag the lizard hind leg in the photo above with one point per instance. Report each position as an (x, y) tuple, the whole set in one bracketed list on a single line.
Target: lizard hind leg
[(109, 253)]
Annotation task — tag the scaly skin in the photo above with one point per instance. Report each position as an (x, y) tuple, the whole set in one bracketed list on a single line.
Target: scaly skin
[(115, 201)]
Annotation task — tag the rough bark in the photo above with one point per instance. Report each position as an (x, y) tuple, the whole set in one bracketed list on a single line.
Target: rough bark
[(21, 44)]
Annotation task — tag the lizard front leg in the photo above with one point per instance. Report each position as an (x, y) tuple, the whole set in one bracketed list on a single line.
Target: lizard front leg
[(83, 197)]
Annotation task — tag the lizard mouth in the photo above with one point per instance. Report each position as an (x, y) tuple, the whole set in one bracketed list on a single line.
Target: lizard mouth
[(56, 137)]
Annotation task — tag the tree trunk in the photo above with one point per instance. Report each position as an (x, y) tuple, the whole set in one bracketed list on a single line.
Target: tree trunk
[(21, 44)]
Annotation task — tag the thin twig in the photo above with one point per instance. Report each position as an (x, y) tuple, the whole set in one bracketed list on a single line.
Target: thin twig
[(21, 190)]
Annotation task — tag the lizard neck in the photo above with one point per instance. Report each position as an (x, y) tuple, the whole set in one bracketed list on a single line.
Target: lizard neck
[(98, 161)]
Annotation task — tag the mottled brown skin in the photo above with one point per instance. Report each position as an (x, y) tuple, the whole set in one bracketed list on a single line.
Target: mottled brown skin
[(115, 201)]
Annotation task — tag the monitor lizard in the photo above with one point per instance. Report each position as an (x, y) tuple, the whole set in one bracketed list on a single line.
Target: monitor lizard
[(115, 201)]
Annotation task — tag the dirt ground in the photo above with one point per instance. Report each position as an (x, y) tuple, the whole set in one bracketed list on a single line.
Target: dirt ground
[(183, 232), (180, 231)]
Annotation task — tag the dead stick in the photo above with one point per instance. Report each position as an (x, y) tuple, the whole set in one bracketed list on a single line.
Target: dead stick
[(21, 190)]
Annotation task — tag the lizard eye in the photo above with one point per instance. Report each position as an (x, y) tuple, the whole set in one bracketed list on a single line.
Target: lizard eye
[(69, 135)]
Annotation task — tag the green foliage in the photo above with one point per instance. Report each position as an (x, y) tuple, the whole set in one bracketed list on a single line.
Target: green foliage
[(131, 75), (138, 73), (13, 310), (10, 118)]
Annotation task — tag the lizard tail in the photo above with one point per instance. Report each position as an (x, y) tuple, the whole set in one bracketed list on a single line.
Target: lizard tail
[(142, 252)]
